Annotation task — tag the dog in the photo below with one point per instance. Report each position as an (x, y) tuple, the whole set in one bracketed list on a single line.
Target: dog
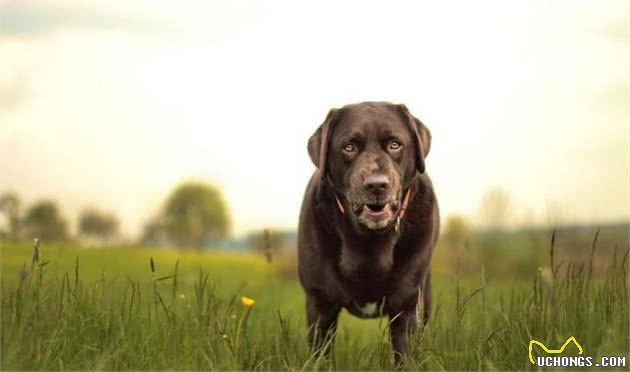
[(369, 222)]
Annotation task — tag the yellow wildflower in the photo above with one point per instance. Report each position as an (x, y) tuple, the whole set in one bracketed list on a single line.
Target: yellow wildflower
[(247, 302)]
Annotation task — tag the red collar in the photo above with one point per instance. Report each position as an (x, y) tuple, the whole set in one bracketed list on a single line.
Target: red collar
[(401, 215)]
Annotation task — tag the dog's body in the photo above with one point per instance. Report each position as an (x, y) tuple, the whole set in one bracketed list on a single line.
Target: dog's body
[(361, 246)]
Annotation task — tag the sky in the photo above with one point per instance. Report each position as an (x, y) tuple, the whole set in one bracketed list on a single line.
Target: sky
[(112, 104)]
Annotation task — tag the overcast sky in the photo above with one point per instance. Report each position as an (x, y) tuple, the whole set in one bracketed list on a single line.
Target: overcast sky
[(112, 104)]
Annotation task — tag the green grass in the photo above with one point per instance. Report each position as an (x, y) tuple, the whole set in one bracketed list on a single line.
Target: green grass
[(105, 308)]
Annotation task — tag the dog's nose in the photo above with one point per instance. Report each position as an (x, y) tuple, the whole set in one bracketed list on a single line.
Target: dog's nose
[(376, 183)]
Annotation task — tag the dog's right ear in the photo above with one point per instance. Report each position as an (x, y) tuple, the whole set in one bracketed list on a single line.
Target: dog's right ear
[(318, 143)]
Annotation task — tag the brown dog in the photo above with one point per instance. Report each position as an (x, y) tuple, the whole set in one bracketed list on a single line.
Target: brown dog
[(369, 221)]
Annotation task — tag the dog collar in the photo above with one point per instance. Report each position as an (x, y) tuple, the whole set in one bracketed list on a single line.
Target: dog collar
[(401, 214)]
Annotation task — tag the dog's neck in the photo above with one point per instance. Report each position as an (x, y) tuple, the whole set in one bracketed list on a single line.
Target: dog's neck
[(366, 255), (362, 254)]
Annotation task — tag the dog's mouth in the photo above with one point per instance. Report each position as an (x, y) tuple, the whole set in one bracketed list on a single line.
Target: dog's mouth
[(375, 209), (376, 216)]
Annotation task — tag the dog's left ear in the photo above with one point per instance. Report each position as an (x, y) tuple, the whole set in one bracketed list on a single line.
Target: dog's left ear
[(318, 143), (420, 134)]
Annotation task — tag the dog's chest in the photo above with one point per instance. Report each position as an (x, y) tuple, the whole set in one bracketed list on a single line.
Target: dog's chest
[(364, 289), (361, 265), (367, 310), (365, 273)]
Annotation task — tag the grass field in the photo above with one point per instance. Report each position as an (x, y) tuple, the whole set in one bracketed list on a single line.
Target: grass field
[(111, 308)]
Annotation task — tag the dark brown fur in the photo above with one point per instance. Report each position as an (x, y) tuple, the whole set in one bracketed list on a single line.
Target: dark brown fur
[(343, 263)]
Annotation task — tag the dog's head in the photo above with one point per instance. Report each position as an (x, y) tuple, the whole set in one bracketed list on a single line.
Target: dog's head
[(370, 152)]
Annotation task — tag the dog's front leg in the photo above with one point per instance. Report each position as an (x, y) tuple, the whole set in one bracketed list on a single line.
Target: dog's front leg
[(322, 322), (401, 326)]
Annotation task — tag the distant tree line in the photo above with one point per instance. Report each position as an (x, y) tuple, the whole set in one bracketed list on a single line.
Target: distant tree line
[(44, 220), (193, 215)]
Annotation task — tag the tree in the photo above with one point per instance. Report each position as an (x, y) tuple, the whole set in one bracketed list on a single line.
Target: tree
[(194, 214), (494, 210), (10, 208), (43, 221), (95, 224), (153, 233), (456, 232)]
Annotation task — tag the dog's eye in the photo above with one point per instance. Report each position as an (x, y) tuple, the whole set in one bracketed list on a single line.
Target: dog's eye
[(349, 147), (394, 145)]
